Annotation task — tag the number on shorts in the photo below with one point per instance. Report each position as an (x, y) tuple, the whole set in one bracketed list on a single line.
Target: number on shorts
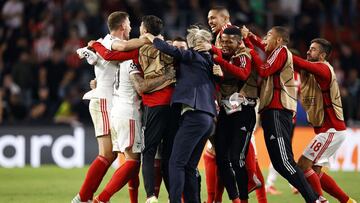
[(316, 145)]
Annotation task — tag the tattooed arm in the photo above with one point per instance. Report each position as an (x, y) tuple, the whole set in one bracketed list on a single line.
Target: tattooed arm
[(146, 85)]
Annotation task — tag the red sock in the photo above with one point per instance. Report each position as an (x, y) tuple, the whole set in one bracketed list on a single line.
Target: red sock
[(210, 175), (158, 176), (94, 176), (251, 166), (329, 185), (251, 159), (133, 185), (261, 192), (121, 176), (313, 180)]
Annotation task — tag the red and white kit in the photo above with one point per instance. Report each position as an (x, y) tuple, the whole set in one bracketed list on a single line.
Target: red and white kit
[(323, 146), (101, 97), (126, 114), (331, 130)]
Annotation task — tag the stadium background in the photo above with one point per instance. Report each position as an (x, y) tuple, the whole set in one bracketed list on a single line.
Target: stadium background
[(42, 80)]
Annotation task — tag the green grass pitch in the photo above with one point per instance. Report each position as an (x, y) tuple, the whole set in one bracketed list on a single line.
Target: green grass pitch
[(50, 184)]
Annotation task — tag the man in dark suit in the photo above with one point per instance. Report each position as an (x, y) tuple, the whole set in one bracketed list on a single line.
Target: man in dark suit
[(194, 92)]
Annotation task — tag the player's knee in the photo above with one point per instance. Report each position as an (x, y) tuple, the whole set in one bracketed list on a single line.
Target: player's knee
[(109, 155), (130, 155), (304, 163), (176, 163)]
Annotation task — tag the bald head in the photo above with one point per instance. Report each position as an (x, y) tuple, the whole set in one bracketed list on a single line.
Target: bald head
[(217, 18)]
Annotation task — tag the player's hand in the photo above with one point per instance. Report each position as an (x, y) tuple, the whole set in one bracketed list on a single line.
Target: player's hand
[(91, 49), (245, 31), (91, 42), (217, 53), (202, 46), (217, 71), (92, 84), (160, 36), (170, 73)]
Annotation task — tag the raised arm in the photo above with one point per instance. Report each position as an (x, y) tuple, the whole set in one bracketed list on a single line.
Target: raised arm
[(248, 43), (274, 62), (257, 41), (241, 71), (114, 55), (250, 39), (319, 69), (178, 54)]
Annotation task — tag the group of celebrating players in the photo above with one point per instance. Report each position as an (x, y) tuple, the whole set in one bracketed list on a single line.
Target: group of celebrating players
[(167, 98)]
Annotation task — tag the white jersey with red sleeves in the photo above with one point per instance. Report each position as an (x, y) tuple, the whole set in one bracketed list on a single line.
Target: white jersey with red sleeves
[(126, 101), (101, 97), (104, 73)]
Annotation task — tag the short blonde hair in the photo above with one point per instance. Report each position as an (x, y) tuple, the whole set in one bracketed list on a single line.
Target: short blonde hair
[(196, 35), (115, 20)]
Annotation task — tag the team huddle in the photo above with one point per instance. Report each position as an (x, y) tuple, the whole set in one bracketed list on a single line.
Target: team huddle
[(162, 102)]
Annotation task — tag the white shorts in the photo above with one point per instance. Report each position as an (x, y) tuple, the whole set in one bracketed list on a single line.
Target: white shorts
[(126, 133), (99, 109), (323, 146)]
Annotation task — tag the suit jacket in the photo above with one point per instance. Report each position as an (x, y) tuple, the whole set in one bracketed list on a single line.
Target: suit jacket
[(195, 84)]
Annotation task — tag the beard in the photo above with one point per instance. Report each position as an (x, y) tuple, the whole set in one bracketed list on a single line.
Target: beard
[(312, 59)]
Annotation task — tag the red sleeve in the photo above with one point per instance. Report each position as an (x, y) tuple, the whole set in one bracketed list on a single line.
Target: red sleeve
[(273, 63), (257, 41), (240, 69), (216, 51), (248, 43), (319, 69), (114, 55)]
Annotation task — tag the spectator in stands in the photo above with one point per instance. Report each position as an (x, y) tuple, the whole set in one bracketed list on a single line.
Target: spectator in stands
[(352, 85), (22, 74), (44, 25)]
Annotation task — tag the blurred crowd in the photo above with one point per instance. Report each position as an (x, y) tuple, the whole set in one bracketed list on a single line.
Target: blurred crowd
[(42, 80)]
